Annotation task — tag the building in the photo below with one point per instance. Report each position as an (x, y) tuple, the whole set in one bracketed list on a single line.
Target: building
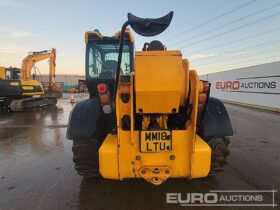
[(256, 86), (67, 81)]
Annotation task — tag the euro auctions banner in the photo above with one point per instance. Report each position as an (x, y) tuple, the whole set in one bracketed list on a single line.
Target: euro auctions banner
[(255, 85), (261, 85)]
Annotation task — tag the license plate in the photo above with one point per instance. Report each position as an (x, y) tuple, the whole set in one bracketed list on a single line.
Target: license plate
[(155, 141)]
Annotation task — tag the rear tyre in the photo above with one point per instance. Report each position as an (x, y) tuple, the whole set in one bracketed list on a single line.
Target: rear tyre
[(220, 152), (85, 157)]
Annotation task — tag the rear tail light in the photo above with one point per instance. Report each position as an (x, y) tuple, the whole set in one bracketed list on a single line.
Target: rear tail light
[(104, 99), (202, 98), (102, 88), (206, 86)]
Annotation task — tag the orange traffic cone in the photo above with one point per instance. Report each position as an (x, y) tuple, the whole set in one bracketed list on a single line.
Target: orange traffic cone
[(72, 99)]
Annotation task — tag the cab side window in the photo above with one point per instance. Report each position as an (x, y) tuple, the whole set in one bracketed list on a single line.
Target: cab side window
[(8, 74), (94, 62)]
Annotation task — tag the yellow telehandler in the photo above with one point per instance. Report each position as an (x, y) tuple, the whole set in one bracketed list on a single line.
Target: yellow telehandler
[(148, 116)]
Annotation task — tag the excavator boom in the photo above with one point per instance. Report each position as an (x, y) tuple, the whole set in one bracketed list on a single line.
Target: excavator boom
[(34, 57)]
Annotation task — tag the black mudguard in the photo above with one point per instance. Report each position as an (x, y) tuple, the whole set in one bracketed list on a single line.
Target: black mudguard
[(83, 119), (215, 122)]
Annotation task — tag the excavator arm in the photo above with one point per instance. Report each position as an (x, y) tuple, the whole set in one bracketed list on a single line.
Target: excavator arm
[(34, 57)]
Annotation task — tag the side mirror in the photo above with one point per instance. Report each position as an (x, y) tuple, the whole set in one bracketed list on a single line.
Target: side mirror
[(149, 26)]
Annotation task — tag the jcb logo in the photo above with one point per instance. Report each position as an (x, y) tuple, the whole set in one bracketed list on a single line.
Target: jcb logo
[(228, 85)]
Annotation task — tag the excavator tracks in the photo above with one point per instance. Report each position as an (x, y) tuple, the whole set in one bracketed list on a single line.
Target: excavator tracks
[(31, 103)]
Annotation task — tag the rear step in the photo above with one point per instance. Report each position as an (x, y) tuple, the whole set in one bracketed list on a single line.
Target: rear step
[(31, 103)]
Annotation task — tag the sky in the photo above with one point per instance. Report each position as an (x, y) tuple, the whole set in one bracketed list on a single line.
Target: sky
[(215, 35)]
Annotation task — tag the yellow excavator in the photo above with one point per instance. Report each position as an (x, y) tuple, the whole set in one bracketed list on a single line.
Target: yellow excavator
[(22, 93)]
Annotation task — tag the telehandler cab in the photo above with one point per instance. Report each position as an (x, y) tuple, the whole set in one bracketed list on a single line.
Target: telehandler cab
[(148, 116)]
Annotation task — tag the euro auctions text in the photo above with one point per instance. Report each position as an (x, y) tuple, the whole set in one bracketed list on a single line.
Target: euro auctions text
[(224, 198)]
